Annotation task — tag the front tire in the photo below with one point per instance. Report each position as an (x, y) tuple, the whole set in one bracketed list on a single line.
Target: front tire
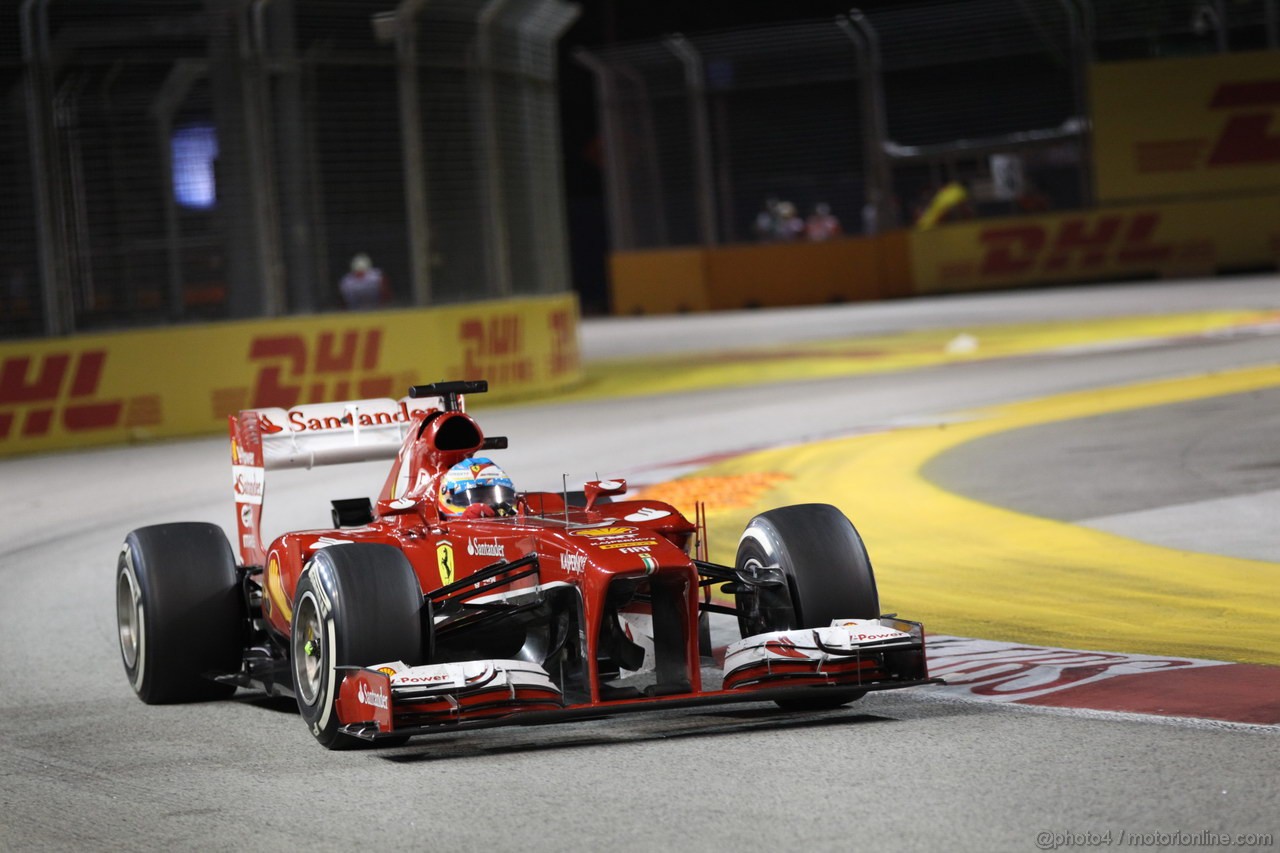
[(355, 605), (828, 575), (179, 612)]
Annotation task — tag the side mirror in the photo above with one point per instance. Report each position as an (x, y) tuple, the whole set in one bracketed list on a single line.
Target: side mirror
[(399, 506), (595, 489)]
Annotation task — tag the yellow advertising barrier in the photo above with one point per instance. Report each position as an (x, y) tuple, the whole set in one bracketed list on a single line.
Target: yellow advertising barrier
[(1198, 125), (111, 388), (1166, 240), (659, 281), (849, 269), (777, 274)]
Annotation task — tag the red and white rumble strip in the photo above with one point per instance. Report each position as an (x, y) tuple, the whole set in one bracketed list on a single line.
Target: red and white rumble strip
[(995, 671), (1111, 682)]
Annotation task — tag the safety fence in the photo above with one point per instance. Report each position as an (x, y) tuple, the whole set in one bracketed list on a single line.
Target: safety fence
[(211, 159), (112, 388), (811, 162), (1153, 240)]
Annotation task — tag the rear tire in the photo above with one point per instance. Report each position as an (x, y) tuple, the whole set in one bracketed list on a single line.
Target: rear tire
[(356, 605), (828, 574), (179, 611)]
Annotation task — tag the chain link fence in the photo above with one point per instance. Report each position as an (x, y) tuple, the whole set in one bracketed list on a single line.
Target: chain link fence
[(758, 134), (170, 160), (698, 131), (1142, 29)]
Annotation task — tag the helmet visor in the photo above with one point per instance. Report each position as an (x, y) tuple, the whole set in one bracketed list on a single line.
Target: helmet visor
[(497, 496)]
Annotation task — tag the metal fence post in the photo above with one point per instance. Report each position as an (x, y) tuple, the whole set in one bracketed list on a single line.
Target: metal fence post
[(497, 258), (1080, 26), (875, 131), (164, 106), (647, 148), (46, 171), (616, 187), (246, 177), (275, 37), (543, 24), (401, 26), (700, 131), (266, 208)]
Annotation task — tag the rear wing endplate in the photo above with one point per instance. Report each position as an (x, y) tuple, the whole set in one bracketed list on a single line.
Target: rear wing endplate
[(306, 436)]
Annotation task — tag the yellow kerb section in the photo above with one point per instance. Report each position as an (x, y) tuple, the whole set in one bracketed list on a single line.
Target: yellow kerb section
[(885, 353), (963, 567)]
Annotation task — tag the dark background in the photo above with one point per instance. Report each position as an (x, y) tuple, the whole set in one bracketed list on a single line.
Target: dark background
[(610, 22)]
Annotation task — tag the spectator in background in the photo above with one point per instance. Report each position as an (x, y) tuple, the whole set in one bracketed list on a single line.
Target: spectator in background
[(766, 220), (870, 218), (778, 222), (787, 224), (822, 224), (365, 286)]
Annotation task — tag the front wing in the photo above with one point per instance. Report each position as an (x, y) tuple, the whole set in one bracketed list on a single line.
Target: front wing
[(844, 660)]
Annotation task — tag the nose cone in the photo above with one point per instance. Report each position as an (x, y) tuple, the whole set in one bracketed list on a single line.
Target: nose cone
[(624, 550)]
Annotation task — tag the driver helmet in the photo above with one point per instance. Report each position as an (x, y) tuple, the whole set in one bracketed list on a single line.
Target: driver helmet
[(477, 482)]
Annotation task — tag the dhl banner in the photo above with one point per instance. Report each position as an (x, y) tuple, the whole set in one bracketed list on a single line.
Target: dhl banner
[(1159, 240), (1200, 125), (110, 388)]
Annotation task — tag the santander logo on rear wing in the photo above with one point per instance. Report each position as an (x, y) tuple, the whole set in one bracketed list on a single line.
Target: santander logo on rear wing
[(306, 436), (332, 433)]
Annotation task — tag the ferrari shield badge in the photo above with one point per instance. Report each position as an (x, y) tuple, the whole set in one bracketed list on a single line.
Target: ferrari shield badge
[(444, 559)]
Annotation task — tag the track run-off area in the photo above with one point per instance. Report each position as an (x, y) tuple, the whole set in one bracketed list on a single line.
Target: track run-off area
[(1074, 489), (1175, 605), (985, 571)]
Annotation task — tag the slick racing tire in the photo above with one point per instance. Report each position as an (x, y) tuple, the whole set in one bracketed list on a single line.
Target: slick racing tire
[(828, 575), (179, 612), (355, 605)]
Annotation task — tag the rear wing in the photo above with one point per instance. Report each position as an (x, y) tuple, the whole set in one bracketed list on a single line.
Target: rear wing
[(324, 434), (306, 436)]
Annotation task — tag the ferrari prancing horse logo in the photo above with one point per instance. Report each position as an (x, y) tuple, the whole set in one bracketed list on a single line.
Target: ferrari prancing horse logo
[(444, 559)]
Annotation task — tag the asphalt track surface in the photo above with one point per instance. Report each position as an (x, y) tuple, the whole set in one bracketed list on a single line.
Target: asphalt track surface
[(84, 765), (1112, 473)]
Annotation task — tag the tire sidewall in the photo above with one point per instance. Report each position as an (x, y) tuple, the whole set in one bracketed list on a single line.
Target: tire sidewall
[(350, 587), (127, 569), (189, 610), (316, 588)]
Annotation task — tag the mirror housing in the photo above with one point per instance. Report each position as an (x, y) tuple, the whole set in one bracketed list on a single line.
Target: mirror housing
[(594, 489)]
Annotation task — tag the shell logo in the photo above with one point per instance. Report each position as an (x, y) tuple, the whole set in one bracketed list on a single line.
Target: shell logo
[(605, 531)]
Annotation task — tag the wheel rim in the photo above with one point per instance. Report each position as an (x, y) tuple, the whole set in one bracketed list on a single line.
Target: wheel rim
[(753, 621), (761, 603), (129, 617), (307, 653)]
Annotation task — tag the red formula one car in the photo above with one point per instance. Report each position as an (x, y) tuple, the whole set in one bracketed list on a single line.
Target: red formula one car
[(455, 602)]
